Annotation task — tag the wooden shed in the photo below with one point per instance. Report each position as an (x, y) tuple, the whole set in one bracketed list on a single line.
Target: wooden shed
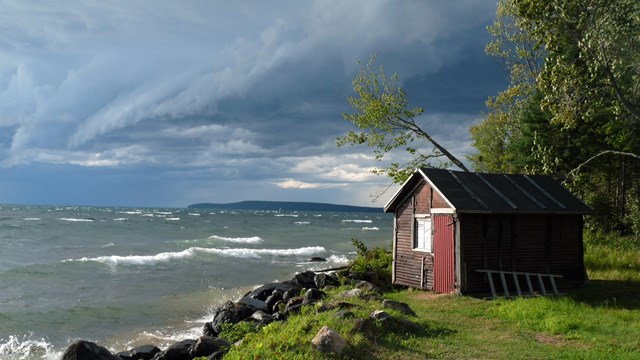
[(474, 233)]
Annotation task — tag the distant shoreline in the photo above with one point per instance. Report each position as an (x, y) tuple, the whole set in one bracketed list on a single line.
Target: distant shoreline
[(285, 206)]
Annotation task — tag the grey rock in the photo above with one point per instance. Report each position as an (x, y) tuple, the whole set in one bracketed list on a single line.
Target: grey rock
[(323, 280), (144, 352), (381, 315), (86, 350), (207, 345), (254, 303), (261, 317), (229, 313), (313, 295), (353, 293), (344, 314), (178, 351), (328, 340), (399, 306), (367, 287)]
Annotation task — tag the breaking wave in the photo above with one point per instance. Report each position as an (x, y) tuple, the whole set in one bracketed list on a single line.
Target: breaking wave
[(15, 348), (76, 220), (238, 240), (359, 221), (189, 253)]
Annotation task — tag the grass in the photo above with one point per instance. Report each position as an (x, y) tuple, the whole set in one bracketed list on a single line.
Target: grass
[(598, 321)]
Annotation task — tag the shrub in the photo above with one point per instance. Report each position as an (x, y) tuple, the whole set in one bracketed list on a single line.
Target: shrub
[(377, 260)]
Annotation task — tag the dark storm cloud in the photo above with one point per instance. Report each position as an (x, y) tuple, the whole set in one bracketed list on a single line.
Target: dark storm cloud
[(226, 93)]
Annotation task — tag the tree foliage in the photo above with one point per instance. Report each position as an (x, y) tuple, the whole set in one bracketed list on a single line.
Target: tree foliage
[(574, 93), (386, 121)]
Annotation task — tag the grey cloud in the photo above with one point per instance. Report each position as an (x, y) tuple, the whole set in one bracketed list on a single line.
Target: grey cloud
[(251, 90)]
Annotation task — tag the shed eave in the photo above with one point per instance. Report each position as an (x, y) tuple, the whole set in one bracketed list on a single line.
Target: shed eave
[(390, 205), (462, 211)]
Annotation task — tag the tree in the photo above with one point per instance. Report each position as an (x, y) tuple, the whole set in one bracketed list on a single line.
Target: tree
[(504, 139), (593, 57), (387, 122), (572, 103)]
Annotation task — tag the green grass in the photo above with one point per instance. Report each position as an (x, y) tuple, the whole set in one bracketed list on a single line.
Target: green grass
[(598, 321)]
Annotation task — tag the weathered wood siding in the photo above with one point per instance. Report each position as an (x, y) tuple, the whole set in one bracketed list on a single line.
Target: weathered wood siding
[(523, 243), (409, 263)]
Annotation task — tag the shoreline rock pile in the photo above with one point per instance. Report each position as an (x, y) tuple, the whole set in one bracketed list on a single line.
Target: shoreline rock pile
[(270, 302), (267, 303)]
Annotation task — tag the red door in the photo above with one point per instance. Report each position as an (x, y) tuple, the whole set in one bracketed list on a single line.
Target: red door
[(443, 254)]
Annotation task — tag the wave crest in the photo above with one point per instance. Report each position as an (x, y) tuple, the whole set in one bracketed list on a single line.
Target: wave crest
[(189, 253), (238, 240)]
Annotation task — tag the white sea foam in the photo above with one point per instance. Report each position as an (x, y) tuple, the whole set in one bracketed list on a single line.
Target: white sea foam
[(172, 219), (194, 214), (16, 348), (120, 219), (338, 259), (238, 240), (370, 228), (114, 260), (302, 222), (129, 212), (107, 245), (287, 215), (359, 221), (75, 220), (32, 219)]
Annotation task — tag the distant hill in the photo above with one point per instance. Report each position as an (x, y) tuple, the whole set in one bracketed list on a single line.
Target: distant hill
[(285, 206)]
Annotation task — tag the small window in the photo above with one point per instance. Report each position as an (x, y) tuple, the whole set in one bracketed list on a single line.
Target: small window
[(423, 239)]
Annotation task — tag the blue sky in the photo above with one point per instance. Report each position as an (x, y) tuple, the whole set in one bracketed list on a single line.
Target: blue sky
[(168, 103)]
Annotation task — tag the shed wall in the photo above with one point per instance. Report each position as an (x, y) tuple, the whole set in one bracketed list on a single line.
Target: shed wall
[(414, 268), (523, 243)]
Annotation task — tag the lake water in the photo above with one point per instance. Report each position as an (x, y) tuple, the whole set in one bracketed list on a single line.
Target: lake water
[(124, 277)]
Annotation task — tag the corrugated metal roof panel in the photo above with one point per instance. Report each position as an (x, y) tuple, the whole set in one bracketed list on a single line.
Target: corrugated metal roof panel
[(499, 193)]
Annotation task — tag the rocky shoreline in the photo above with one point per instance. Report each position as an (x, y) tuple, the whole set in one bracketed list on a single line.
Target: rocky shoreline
[(270, 302)]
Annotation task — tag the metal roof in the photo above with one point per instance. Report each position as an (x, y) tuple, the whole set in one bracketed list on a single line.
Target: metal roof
[(495, 193)]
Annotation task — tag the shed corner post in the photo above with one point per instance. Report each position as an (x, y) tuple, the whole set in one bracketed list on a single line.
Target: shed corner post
[(394, 246), (460, 281)]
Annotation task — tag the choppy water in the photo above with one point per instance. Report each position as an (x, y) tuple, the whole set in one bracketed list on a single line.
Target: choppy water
[(124, 277)]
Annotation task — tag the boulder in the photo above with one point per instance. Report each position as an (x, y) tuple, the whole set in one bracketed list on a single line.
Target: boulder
[(229, 313), (262, 292), (255, 304), (272, 300), (294, 301), (293, 291), (178, 351), (144, 352), (261, 317), (328, 340), (86, 350), (293, 309), (367, 287), (313, 295), (353, 293), (207, 330), (323, 280), (344, 314), (305, 279), (381, 315), (399, 306), (207, 345)]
